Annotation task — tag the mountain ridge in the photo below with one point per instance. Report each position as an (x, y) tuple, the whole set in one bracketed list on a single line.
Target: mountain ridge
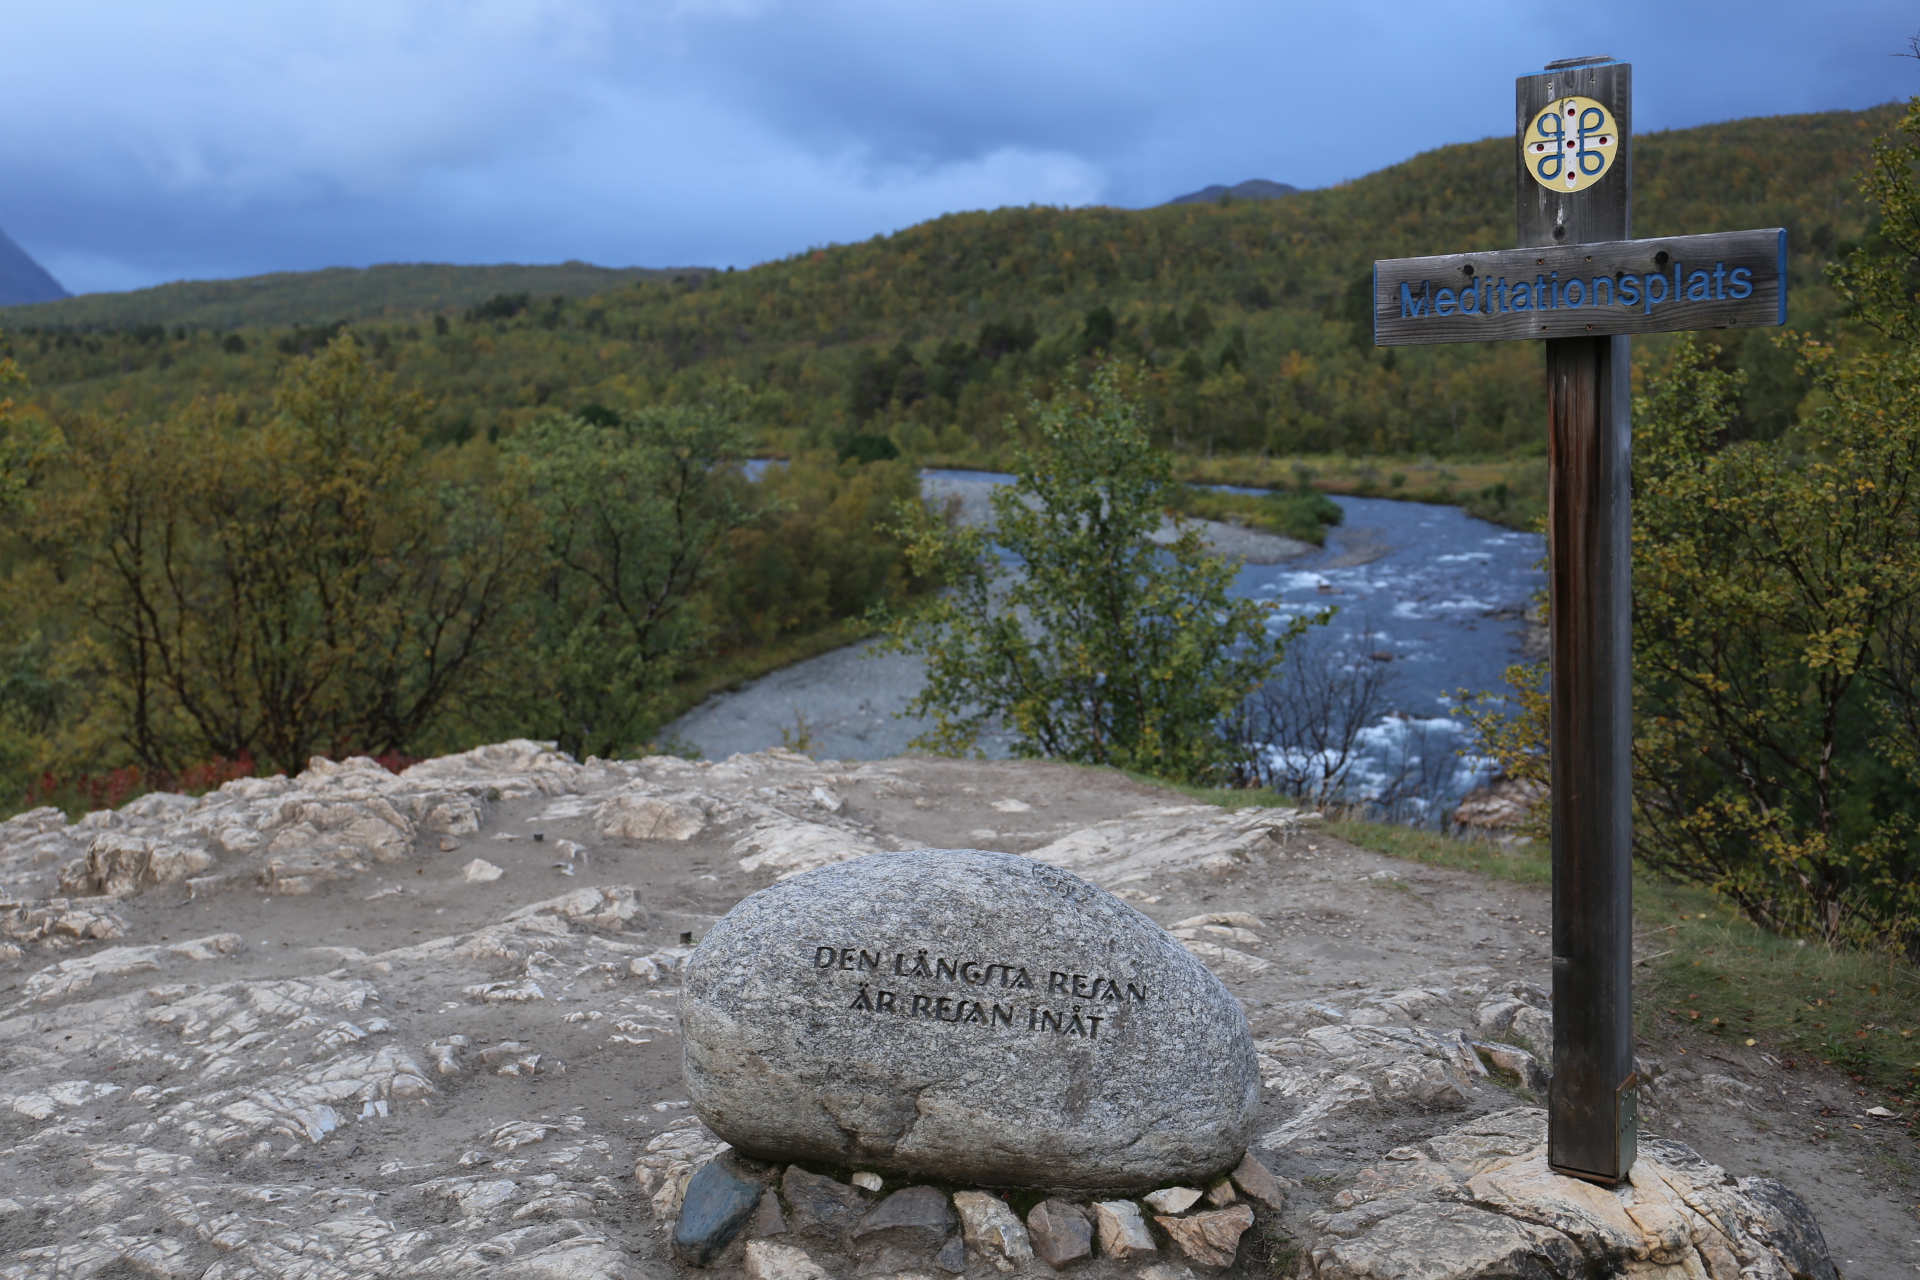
[(1251, 189), (22, 280)]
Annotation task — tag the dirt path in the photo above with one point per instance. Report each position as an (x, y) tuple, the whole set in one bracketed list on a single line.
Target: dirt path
[(257, 1081)]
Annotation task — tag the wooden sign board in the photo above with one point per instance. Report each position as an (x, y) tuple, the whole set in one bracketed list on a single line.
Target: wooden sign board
[(1723, 280)]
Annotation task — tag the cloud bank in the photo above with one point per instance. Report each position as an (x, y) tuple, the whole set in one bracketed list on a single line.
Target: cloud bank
[(151, 143)]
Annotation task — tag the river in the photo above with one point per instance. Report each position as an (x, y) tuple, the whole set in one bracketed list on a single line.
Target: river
[(1432, 594)]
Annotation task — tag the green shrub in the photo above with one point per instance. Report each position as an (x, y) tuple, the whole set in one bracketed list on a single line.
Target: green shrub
[(1101, 647), (636, 513)]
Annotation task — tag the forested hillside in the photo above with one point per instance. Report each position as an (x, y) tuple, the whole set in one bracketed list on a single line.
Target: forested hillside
[(1251, 317)]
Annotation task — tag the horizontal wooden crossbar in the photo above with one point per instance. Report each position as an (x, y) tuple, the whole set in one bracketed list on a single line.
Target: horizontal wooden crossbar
[(1722, 280)]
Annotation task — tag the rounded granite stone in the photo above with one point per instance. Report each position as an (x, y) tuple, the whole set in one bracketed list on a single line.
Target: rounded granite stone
[(970, 1016)]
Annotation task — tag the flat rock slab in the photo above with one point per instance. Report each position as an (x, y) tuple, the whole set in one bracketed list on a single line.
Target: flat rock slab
[(972, 1016), (1488, 1205)]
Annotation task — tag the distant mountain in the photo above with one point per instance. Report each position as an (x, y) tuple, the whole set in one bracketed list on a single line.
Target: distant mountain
[(317, 297), (22, 279), (1251, 189)]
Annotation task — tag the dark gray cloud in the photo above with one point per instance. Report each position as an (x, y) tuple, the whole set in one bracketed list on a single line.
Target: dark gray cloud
[(227, 138)]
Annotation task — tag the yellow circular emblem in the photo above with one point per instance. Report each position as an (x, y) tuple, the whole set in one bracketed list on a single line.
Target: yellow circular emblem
[(1571, 144)]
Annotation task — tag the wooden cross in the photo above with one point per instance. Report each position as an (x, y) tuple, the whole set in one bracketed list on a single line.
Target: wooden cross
[(1581, 283)]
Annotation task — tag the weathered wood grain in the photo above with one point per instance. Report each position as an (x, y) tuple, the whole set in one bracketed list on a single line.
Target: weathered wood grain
[(1643, 270), (1604, 211)]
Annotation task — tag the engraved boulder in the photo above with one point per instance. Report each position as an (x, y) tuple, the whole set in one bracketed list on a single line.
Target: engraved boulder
[(968, 1016)]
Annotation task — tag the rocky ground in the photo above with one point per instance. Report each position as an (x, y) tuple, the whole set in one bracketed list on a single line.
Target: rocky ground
[(353, 1024)]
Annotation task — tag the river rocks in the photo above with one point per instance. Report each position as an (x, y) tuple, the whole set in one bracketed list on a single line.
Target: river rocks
[(1123, 1233), (973, 1016), (718, 1202), (992, 1228), (1060, 1232), (1209, 1239), (820, 1206), (769, 1261), (1257, 1182), (917, 1217), (1172, 1199), (768, 1220)]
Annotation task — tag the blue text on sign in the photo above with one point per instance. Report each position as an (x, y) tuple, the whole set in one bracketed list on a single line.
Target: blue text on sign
[(1548, 292)]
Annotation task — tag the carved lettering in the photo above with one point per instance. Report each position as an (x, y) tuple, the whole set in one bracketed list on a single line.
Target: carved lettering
[(1079, 1021)]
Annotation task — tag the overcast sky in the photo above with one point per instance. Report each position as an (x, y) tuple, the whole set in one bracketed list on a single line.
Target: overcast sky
[(149, 142)]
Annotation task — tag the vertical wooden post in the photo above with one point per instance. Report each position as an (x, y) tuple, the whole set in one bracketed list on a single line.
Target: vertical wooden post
[(1590, 1128), (1591, 1102)]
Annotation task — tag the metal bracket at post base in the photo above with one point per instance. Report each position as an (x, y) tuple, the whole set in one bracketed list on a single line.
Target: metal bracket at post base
[(1626, 1137)]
